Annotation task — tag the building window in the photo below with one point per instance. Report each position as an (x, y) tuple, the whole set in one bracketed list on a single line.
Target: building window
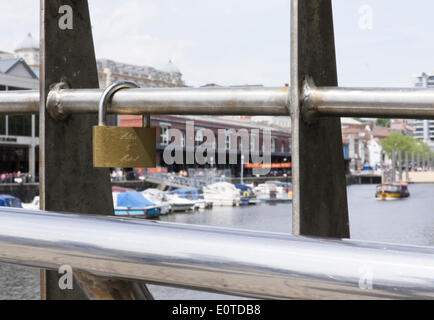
[(37, 125), (20, 125), (2, 124), (164, 134), (273, 144), (282, 147)]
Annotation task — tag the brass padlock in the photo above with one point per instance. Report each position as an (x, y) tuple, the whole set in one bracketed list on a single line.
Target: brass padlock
[(121, 147)]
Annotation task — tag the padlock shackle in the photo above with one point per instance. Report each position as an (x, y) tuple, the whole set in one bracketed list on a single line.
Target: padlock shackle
[(108, 95)]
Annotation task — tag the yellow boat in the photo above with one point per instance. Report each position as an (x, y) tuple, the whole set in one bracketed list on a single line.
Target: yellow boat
[(392, 191)]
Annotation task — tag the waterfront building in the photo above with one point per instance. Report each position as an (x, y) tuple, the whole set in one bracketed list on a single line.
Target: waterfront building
[(280, 142), (19, 142), (424, 129), (279, 126), (354, 139), (403, 126), (281, 122), (362, 143), (110, 71), (28, 50)]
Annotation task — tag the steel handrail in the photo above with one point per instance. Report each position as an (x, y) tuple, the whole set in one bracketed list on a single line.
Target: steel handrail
[(230, 261), (412, 103)]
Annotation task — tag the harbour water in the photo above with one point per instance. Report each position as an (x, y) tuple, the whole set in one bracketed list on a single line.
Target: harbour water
[(408, 221)]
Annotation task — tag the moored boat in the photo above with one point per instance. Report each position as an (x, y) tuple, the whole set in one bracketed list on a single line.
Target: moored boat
[(248, 196), (10, 201), (392, 191), (179, 204), (159, 198), (34, 205), (134, 204), (193, 194), (222, 194), (271, 193)]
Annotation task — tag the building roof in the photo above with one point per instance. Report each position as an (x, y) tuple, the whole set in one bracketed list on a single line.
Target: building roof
[(236, 123), (6, 65), (28, 43), (170, 68), (381, 132), (350, 121), (4, 54)]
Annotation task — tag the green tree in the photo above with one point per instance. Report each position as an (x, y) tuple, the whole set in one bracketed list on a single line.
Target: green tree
[(400, 142), (383, 122)]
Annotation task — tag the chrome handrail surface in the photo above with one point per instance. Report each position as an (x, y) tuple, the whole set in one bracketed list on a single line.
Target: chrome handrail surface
[(231, 261)]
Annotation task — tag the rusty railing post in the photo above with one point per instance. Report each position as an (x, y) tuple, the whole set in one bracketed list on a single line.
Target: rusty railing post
[(320, 196), (68, 181)]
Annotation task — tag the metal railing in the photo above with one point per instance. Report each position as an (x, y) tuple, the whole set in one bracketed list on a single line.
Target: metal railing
[(412, 103), (184, 101), (237, 262), (230, 261)]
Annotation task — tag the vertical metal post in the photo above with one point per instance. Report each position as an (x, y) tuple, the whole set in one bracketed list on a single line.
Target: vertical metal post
[(32, 156), (400, 164), (320, 196), (146, 119), (242, 169), (406, 166), (393, 166), (68, 181), (413, 165), (418, 161)]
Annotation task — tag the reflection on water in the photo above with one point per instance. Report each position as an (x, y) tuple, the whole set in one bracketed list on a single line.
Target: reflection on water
[(408, 221)]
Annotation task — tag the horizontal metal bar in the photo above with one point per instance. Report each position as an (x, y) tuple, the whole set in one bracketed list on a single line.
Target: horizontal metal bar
[(230, 261), (184, 101), (408, 103), (19, 102), (412, 103)]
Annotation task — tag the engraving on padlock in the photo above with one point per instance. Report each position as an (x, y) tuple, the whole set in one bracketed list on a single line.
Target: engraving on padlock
[(121, 147)]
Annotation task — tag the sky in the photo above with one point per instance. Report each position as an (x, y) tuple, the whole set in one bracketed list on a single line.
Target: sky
[(236, 42)]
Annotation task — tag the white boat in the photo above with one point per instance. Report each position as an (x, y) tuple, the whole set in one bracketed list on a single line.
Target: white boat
[(34, 205), (159, 198), (222, 194), (179, 204), (176, 203), (193, 194), (202, 204), (268, 192)]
